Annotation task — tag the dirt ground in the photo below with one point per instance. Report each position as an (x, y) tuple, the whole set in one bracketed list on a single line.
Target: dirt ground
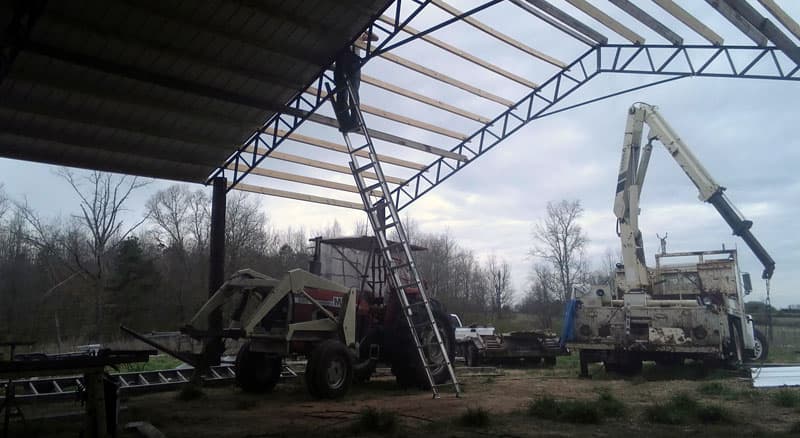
[(291, 412)]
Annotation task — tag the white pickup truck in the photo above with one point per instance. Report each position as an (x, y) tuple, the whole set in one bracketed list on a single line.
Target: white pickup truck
[(478, 344)]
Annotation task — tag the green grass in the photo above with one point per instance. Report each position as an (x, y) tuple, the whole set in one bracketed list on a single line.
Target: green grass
[(714, 414), (714, 389), (577, 411), (475, 417), (680, 409), (609, 405), (160, 362), (683, 409), (375, 421), (786, 398)]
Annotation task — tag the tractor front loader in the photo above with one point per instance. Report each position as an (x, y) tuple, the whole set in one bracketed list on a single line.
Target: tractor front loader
[(301, 314)]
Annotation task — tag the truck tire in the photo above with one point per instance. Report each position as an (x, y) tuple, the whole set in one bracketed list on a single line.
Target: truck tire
[(329, 372), (760, 347), (257, 372)]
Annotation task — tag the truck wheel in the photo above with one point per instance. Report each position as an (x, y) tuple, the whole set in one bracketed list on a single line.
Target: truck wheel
[(760, 346), (329, 373), (472, 358), (257, 372)]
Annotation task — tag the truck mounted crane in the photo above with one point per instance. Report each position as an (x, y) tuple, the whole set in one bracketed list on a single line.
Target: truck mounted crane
[(674, 311)]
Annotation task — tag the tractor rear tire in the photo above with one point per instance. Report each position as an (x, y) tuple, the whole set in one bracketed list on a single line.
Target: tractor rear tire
[(257, 372), (329, 372), (406, 365)]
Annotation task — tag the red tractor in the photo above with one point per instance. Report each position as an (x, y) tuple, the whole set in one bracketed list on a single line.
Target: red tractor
[(342, 316)]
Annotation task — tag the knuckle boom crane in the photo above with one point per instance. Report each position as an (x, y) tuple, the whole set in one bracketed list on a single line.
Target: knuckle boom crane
[(674, 311)]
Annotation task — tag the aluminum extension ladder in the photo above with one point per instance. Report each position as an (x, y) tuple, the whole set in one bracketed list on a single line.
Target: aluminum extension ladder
[(418, 315)]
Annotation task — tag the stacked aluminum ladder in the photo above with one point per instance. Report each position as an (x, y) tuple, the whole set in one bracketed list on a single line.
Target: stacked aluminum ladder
[(418, 315)]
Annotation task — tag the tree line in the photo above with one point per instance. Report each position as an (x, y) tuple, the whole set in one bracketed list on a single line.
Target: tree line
[(79, 277)]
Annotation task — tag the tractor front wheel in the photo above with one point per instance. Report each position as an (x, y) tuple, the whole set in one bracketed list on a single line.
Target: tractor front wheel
[(329, 372)]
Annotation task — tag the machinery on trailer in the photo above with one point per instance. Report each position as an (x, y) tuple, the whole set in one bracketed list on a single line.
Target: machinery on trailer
[(684, 309), (342, 327), (481, 344)]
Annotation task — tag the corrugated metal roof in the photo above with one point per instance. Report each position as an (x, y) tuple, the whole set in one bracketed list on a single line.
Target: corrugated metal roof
[(162, 88)]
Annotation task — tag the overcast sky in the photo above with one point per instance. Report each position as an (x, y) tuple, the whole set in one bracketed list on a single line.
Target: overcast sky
[(744, 131)]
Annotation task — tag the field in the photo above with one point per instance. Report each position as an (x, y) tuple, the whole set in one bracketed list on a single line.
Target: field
[(516, 402), (513, 402)]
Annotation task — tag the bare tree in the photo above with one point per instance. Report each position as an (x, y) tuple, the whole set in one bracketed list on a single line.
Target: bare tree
[(541, 298), (560, 241), (500, 278), (102, 201)]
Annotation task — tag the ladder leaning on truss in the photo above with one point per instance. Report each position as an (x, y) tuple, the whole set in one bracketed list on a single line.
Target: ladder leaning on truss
[(418, 315)]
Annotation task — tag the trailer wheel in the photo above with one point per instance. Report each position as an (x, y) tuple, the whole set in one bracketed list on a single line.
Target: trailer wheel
[(760, 346), (329, 373), (257, 372), (472, 358)]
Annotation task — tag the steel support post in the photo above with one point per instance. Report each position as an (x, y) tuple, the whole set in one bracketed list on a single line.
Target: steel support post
[(216, 265)]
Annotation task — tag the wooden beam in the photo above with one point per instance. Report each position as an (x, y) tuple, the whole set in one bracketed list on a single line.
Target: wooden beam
[(767, 28), (607, 21), (499, 35), (569, 20), (441, 77), (464, 55), (298, 196), (285, 176), (549, 20), (324, 144), (781, 15), (423, 99), (739, 21), (391, 138), (690, 21), (402, 119), (324, 165), (648, 20)]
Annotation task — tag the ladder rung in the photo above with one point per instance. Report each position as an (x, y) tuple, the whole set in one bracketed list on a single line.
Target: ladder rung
[(424, 324), (370, 188), (430, 344), (360, 148), (401, 266), (418, 303), (394, 245), (386, 227), (403, 286), (367, 166)]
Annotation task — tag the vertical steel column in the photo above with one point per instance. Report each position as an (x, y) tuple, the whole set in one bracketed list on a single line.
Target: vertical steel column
[(216, 264)]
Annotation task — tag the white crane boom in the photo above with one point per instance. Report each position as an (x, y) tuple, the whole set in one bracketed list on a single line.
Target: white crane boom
[(633, 168)]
